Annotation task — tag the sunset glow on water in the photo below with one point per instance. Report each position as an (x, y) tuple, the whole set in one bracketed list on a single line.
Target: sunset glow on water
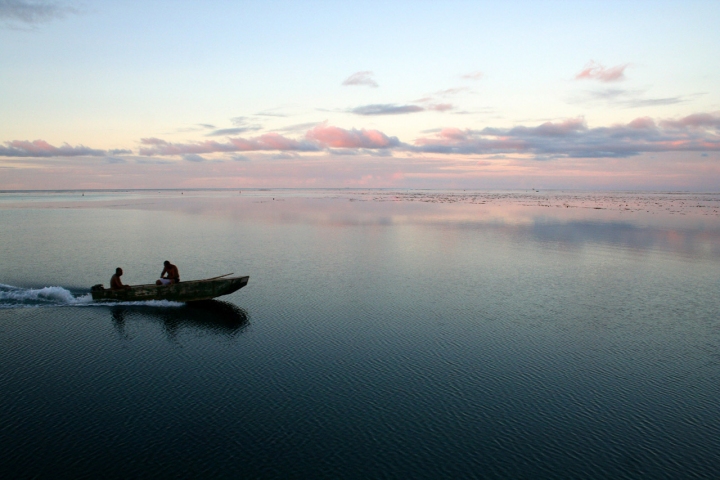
[(382, 333)]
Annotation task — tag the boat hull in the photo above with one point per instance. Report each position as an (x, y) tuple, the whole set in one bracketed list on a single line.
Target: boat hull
[(195, 291)]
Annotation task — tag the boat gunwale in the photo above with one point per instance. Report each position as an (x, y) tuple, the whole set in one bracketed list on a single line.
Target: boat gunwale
[(188, 281)]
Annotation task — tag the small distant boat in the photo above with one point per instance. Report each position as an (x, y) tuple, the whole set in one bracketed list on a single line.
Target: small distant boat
[(193, 291)]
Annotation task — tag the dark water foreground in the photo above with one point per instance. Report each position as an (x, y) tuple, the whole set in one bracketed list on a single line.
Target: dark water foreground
[(377, 338)]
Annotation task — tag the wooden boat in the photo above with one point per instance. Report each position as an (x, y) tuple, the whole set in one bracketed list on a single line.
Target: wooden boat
[(193, 291)]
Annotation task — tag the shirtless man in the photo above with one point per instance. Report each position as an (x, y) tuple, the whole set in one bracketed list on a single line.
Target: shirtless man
[(170, 274), (115, 282)]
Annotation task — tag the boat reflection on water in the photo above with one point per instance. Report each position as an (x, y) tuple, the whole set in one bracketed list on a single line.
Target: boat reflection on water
[(211, 316)]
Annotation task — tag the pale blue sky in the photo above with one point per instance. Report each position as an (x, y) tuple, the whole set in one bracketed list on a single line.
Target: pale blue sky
[(105, 74)]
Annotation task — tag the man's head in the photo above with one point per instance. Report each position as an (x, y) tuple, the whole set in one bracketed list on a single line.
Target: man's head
[(118, 271), (166, 263)]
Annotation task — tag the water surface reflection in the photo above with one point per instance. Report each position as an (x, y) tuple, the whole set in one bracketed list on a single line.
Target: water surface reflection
[(212, 316), (413, 335), (687, 223)]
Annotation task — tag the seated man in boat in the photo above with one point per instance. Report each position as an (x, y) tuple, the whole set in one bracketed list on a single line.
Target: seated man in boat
[(115, 282), (169, 275)]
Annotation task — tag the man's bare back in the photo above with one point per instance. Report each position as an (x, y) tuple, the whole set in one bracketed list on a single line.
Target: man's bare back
[(170, 274), (115, 282)]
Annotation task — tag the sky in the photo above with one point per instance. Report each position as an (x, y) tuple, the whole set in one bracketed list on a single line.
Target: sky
[(361, 94)]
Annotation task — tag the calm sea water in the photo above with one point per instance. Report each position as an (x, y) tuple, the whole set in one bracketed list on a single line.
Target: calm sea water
[(383, 334)]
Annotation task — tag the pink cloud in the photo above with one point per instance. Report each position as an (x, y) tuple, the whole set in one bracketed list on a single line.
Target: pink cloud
[(642, 123), (572, 138), (322, 136), (473, 76), (596, 71), (41, 148), (561, 128), (161, 147), (269, 141), (451, 91), (337, 137), (275, 141), (569, 138), (361, 78), (441, 107), (695, 120), (657, 172), (434, 101), (453, 134), (153, 141), (386, 109)]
